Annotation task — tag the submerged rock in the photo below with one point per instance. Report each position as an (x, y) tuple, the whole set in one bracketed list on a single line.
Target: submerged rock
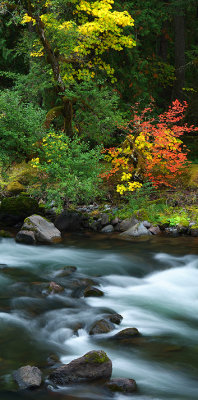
[(93, 292), (44, 231), (66, 271), (94, 365), (123, 385), (55, 288), (28, 377), (101, 326)]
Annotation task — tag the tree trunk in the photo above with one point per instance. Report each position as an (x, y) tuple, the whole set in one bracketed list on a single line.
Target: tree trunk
[(179, 27)]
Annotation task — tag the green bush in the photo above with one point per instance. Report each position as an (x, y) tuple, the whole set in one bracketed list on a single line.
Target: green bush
[(68, 170), (20, 127)]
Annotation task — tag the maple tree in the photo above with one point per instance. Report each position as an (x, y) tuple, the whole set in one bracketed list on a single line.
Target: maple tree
[(151, 150), (75, 48)]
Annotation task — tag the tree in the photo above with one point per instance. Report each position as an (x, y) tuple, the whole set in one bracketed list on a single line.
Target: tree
[(73, 43)]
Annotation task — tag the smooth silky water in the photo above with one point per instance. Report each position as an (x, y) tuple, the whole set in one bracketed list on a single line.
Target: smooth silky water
[(153, 284)]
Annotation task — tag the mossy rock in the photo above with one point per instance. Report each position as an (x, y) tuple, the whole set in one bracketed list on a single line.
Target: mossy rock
[(15, 187), (193, 176), (19, 205)]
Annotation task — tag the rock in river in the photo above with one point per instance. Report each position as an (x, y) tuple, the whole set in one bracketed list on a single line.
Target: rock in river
[(28, 377), (43, 230), (101, 326), (123, 385), (94, 365)]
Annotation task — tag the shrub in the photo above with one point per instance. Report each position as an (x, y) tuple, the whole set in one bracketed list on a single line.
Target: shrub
[(69, 169)]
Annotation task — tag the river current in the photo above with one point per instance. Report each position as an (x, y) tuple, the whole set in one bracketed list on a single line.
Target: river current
[(153, 284)]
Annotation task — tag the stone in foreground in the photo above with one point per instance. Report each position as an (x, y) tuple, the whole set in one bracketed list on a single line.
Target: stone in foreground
[(123, 385), (26, 237), (45, 231), (93, 366), (28, 377)]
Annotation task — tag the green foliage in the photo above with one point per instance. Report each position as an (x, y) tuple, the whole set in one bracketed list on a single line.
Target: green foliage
[(68, 169), (20, 127), (96, 111)]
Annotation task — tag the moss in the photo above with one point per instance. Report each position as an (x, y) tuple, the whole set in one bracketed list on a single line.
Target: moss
[(19, 205), (15, 187), (5, 234), (97, 357)]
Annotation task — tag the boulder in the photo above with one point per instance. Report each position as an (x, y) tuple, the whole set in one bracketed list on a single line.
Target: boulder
[(69, 221), (14, 209), (26, 237), (94, 365), (93, 292), (107, 229), (101, 326), (137, 230), (127, 224), (15, 187), (45, 231), (28, 377), (123, 385)]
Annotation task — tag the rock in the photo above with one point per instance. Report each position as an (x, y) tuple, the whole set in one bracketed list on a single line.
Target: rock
[(127, 223), (55, 288), (104, 219), (107, 229), (115, 318), (80, 285), (128, 333), (115, 221), (155, 230), (69, 221), (15, 187), (45, 231), (123, 385), (93, 292), (94, 365), (95, 225), (193, 232), (66, 271), (101, 326), (5, 234), (136, 231), (27, 237), (28, 377), (146, 224)]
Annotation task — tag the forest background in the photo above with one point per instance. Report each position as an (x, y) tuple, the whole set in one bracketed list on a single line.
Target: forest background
[(98, 100)]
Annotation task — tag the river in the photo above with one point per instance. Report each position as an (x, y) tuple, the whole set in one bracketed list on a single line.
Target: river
[(153, 284)]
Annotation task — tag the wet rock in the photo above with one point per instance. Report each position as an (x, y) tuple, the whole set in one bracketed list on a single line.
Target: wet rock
[(66, 271), (155, 230), (55, 288), (137, 230), (26, 237), (93, 292), (123, 385), (115, 318), (80, 285), (128, 333), (93, 366), (44, 230), (28, 377), (101, 326), (107, 229), (69, 221), (115, 221)]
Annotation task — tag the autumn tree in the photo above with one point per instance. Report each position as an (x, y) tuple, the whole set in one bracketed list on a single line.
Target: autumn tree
[(72, 39)]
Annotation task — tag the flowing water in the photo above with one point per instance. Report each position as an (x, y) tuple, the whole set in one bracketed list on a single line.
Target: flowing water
[(153, 284)]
